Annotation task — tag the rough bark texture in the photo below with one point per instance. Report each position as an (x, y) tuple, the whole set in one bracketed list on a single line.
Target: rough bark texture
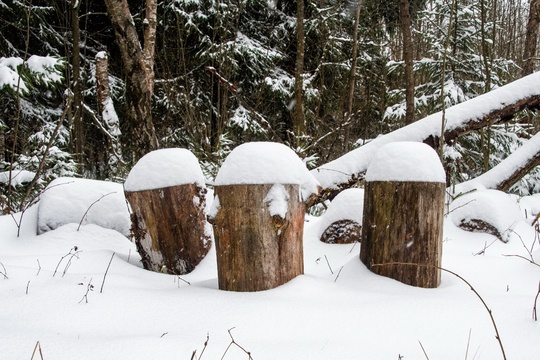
[(78, 133), (531, 38), (299, 122), (168, 226), (403, 223), (138, 68), (342, 232), (405, 14), (255, 250)]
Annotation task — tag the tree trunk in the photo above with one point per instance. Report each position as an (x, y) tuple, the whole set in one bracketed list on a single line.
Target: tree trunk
[(299, 121), (78, 135), (404, 7), (255, 250), (168, 227), (139, 69), (403, 223), (531, 38), (110, 126)]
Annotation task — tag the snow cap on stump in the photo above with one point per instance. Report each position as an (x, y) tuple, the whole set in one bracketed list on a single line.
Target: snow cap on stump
[(266, 163), (164, 168), (406, 161)]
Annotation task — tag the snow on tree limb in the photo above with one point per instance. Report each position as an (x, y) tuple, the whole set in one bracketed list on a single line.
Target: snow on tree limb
[(508, 171), (496, 106)]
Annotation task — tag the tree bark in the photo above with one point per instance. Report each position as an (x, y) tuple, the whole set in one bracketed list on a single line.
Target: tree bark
[(139, 69), (403, 223), (299, 121), (406, 24), (255, 249), (531, 38), (77, 93), (168, 226)]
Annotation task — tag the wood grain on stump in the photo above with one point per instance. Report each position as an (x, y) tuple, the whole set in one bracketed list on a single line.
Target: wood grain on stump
[(403, 223), (255, 250), (168, 226)]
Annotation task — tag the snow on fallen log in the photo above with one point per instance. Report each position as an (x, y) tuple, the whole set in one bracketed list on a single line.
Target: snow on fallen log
[(495, 106)]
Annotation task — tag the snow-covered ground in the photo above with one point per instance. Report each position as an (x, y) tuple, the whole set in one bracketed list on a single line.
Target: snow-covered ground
[(337, 310)]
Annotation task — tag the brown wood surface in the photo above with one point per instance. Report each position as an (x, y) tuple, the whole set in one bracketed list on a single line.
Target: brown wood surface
[(342, 232), (403, 222), (257, 251), (168, 227)]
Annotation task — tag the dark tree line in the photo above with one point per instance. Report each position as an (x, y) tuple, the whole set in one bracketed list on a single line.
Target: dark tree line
[(322, 76)]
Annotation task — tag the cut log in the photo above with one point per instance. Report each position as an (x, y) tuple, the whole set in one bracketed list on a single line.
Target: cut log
[(168, 226), (257, 250), (342, 221), (167, 195), (342, 232), (402, 226)]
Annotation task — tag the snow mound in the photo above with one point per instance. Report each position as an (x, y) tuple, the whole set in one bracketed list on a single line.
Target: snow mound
[(66, 200), (164, 168), (347, 205), (266, 163), (406, 161), (490, 211), (530, 206)]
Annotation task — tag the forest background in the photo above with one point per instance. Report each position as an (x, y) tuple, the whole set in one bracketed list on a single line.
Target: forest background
[(87, 87)]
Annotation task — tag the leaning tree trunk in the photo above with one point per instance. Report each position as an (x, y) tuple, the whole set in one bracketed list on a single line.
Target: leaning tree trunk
[(255, 250), (531, 38), (138, 65)]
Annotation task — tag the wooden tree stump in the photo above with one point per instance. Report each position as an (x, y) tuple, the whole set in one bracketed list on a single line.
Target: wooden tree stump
[(258, 216), (403, 220), (255, 250), (342, 222), (168, 222)]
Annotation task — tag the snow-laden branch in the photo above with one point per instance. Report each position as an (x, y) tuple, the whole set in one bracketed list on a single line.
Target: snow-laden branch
[(496, 106)]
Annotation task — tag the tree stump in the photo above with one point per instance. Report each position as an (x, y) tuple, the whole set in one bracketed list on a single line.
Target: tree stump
[(342, 221), (255, 249), (258, 216), (168, 222), (403, 219)]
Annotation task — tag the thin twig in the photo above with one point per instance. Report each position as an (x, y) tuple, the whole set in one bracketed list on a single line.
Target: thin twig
[(38, 348), (424, 350), (233, 342), (524, 258), (468, 343), (27, 285), (73, 253), (4, 273), (106, 271), (92, 204), (179, 278), (39, 269), (535, 315), (339, 272), (327, 262), (194, 354), (497, 335), (89, 288)]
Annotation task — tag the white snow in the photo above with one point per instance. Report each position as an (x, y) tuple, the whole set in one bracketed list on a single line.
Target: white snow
[(347, 205), (70, 200), (356, 162), (406, 161), (8, 74), (165, 168), (266, 163), (337, 310), (18, 177), (277, 201), (491, 206)]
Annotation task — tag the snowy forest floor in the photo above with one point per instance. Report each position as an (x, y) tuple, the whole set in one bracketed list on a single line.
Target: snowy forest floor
[(337, 310)]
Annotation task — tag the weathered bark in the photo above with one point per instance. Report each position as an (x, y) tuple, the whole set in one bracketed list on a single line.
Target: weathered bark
[(403, 223), (139, 69), (405, 15), (168, 227), (255, 250), (531, 38), (342, 232), (299, 121)]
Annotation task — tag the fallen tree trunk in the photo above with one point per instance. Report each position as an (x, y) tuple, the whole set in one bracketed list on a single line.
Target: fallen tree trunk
[(495, 107), (507, 172)]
